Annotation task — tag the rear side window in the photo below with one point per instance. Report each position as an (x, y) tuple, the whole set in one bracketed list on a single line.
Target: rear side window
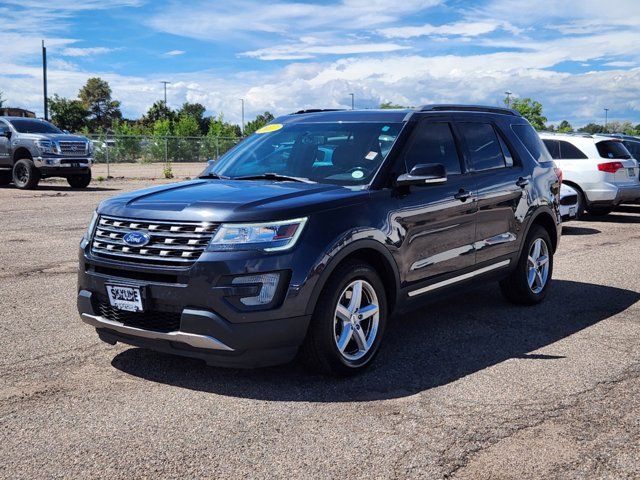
[(569, 151), (483, 146), (433, 143), (554, 148), (530, 139), (612, 149), (634, 149)]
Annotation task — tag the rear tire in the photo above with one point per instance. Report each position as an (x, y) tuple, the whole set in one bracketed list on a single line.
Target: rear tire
[(343, 340), (25, 174), (529, 283), (79, 181)]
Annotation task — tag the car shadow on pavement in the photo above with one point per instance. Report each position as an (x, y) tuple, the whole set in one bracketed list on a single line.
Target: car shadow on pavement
[(567, 230), (427, 348)]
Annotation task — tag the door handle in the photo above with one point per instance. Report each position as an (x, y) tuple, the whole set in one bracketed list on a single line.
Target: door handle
[(463, 195), (522, 182)]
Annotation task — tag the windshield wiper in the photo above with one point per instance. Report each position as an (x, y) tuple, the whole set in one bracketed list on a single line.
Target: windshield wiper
[(276, 177), (215, 176)]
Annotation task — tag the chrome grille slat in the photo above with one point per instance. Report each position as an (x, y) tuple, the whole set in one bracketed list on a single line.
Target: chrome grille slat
[(72, 147), (171, 243)]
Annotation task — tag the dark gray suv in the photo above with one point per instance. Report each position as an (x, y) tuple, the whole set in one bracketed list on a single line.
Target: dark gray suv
[(309, 234)]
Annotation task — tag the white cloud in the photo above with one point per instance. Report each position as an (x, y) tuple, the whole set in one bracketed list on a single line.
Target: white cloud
[(174, 53), (85, 52), (304, 50), (464, 29)]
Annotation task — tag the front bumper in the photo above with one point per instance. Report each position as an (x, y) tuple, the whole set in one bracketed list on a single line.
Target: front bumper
[(62, 164)]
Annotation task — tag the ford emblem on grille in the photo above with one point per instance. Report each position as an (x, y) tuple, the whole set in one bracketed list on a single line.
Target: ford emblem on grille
[(136, 239)]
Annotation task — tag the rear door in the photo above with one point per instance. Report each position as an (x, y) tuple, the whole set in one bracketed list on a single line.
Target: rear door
[(438, 221), (502, 185)]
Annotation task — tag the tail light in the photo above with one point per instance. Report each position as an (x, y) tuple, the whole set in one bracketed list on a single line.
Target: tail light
[(558, 171), (610, 167)]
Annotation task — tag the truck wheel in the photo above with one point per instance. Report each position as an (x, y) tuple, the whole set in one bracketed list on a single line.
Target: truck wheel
[(25, 174), (349, 321), (79, 181), (529, 283)]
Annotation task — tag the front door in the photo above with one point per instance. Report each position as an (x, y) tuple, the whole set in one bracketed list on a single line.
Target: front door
[(437, 221)]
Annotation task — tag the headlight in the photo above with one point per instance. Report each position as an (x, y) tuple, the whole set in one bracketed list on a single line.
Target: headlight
[(89, 147), (46, 146), (91, 227), (268, 236)]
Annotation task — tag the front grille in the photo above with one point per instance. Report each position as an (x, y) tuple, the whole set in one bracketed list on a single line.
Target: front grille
[(153, 320), (73, 148), (171, 243)]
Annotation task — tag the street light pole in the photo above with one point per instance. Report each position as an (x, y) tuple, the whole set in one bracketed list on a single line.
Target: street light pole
[(352, 101), (606, 117), (44, 81), (508, 94), (165, 92), (242, 131)]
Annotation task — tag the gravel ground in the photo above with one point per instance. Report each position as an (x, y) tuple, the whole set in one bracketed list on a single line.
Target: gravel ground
[(471, 387)]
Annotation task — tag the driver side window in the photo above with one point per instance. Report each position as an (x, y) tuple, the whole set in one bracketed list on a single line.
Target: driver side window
[(432, 143)]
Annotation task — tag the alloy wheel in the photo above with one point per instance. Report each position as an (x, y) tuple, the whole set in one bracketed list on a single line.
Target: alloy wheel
[(538, 266), (356, 320)]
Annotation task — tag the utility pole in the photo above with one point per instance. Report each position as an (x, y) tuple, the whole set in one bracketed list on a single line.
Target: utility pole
[(44, 81), (352, 101), (508, 100), (242, 131), (165, 92), (606, 117)]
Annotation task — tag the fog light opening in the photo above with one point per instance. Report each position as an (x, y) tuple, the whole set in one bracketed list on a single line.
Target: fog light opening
[(269, 286)]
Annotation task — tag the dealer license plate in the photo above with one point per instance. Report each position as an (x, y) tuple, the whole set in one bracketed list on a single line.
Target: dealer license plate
[(125, 298)]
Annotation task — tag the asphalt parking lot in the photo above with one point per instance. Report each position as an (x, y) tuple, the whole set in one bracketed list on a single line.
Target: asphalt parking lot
[(470, 387)]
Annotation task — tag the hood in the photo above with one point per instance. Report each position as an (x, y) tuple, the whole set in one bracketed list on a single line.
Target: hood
[(230, 200), (53, 136)]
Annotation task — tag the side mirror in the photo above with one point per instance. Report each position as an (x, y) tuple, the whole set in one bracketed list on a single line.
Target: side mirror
[(423, 174)]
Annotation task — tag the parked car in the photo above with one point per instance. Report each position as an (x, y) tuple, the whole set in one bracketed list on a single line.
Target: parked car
[(32, 149), (277, 248), (630, 142), (599, 168), (568, 203)]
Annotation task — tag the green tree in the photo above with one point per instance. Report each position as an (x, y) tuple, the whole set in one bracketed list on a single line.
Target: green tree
[(195, 110), (158, 111), (160, 146), (593, 128), (128, 146), (96, 98), (221, 137), (390, 106), (1, 99), (260, 121), (68, 114), (565, 127), (187, 145), (531, 110)]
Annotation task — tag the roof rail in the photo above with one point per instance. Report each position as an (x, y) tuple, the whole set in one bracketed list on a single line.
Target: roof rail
[(468, 108), (316, 110)]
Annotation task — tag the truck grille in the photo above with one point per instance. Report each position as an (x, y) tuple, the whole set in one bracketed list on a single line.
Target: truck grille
[(171, 243), (73, 148)]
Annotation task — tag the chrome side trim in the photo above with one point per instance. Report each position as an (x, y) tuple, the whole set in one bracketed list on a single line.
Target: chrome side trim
[(460, 278), (193, 339)]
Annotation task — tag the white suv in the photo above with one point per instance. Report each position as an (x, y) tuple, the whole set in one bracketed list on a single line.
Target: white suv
[(600, 168)]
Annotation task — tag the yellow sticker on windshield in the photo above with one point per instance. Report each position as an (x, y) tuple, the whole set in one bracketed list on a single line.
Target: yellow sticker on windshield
[(270, 128)]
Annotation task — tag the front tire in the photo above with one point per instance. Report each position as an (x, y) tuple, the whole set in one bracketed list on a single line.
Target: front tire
[(529, 283), (25, 174), (348, 323), (79, 181)]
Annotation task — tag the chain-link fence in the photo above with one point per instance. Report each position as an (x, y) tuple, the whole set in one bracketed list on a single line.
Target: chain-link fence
[(147, 149)]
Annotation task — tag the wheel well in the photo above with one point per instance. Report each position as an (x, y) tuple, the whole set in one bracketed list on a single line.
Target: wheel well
[(382, 266), (546, 221), (21, 153)]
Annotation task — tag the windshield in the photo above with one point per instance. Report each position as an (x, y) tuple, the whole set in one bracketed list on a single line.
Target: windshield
[(25, 125), (341, 153)]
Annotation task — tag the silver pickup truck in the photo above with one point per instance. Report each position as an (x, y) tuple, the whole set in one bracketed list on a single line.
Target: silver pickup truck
[(32, 149)]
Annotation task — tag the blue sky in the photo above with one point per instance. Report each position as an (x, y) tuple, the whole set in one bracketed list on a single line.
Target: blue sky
[(577, 56)]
